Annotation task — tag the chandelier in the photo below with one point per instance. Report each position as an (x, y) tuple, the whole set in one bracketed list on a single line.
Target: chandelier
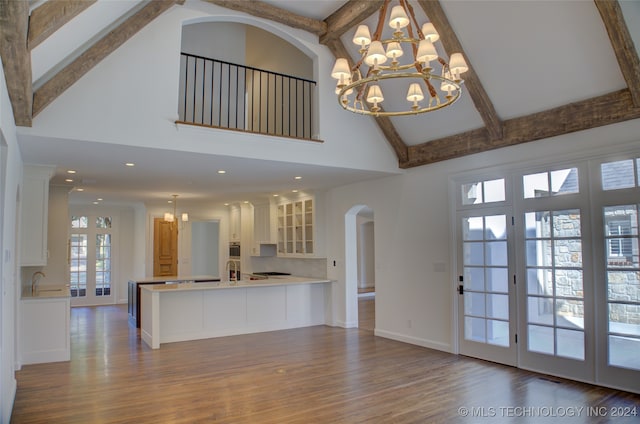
[(381, 55), (170, 217)]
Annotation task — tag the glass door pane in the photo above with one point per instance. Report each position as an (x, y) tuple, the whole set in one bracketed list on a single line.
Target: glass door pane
[(623, 286), (486, 306), (78, 265), (555, 293)]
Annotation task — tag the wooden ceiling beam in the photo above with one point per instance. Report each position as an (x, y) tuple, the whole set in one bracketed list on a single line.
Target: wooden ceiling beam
[(384, 123), (349, 15), (16, 60), (451, 44), (51, 16), (583, 115), (51, 89), (622, 44), (273, 13)]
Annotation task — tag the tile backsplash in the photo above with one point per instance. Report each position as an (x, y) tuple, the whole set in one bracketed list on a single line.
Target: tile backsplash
[(311, 267)]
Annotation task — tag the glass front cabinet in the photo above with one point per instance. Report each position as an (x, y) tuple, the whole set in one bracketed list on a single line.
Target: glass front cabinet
[(295, 228)]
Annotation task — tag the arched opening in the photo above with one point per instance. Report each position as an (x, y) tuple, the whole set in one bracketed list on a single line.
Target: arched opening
[(241, 77), (360, 267)]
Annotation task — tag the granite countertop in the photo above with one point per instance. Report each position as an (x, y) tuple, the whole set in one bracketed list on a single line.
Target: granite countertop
[(271, 281), (46, 292)]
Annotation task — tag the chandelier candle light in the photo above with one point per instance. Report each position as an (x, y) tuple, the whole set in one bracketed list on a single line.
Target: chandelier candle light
[(417, 70)]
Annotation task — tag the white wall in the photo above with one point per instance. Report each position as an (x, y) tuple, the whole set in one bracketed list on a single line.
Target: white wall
[(414, 298), (141, 77), (11, 169), (205, 38), (197, 212), (205, 236)]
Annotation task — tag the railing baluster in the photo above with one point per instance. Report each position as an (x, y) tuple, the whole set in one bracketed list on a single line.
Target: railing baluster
[(213, 84), (195, 69), (204, 72)]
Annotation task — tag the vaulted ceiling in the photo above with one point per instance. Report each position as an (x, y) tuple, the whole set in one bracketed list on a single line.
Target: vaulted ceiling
[(570, 76)]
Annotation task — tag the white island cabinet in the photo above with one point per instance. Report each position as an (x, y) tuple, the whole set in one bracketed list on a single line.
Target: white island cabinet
[(192, 311)]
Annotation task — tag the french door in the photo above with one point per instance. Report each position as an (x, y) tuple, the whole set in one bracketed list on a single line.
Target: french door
[(90, 260), (549, 273), (618, 272), (486, 295)]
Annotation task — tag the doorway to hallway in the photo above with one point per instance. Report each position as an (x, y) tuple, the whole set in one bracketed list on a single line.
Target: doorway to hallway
[(360, 267)]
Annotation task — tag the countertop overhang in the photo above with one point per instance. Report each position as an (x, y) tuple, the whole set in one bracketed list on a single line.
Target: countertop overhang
[(176, 279), (271, 281)]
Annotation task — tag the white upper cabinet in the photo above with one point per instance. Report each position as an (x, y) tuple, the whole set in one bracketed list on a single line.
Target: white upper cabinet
[(35, 214), (234, 223), (264, 230), (296, 228)]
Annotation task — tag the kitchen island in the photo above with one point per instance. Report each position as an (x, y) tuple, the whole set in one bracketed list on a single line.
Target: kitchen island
[(192, 311), (135, 285)]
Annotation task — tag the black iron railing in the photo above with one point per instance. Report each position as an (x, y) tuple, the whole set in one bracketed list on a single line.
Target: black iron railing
[(227, 95)]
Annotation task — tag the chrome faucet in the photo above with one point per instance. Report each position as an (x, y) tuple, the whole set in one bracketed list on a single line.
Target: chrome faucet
[(35, 278), (236, 267)]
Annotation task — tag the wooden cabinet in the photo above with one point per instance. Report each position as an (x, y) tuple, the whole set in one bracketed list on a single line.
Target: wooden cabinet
[(296, 228), (34, 214)]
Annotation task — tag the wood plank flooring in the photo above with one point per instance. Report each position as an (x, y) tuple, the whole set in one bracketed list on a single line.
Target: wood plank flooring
[(309, 375)]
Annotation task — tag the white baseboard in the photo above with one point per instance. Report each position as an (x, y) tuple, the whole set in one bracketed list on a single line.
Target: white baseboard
[(413, 340)]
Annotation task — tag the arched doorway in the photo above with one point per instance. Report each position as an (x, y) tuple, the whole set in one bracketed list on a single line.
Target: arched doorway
[(360, 267)]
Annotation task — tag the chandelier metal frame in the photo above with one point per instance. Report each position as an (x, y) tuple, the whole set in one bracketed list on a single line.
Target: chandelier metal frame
[(354, 82)]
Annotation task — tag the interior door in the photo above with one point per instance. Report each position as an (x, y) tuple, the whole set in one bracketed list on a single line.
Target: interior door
[(165, 248), (486, 293)]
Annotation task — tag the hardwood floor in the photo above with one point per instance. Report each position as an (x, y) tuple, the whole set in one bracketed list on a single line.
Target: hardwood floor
[(309, 375), (367, 312)]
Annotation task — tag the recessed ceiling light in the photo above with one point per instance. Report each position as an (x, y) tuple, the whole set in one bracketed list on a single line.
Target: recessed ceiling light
[(79, 189), (221, 171), (129, 164), (294, 191), (71, 171), (226, 204), (68, 180), (100, 199), (276, 195), (297, 178), (246, 201), (96, 202)]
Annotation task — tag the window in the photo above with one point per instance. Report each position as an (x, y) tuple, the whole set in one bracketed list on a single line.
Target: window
[(553, 183), (620, 174), (483, 192)]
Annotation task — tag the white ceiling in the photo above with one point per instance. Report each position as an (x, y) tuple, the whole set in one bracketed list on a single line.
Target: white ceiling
[(529, 55)]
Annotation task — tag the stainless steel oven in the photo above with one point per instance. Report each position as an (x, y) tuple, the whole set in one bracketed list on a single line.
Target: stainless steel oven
[(234, 250)]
